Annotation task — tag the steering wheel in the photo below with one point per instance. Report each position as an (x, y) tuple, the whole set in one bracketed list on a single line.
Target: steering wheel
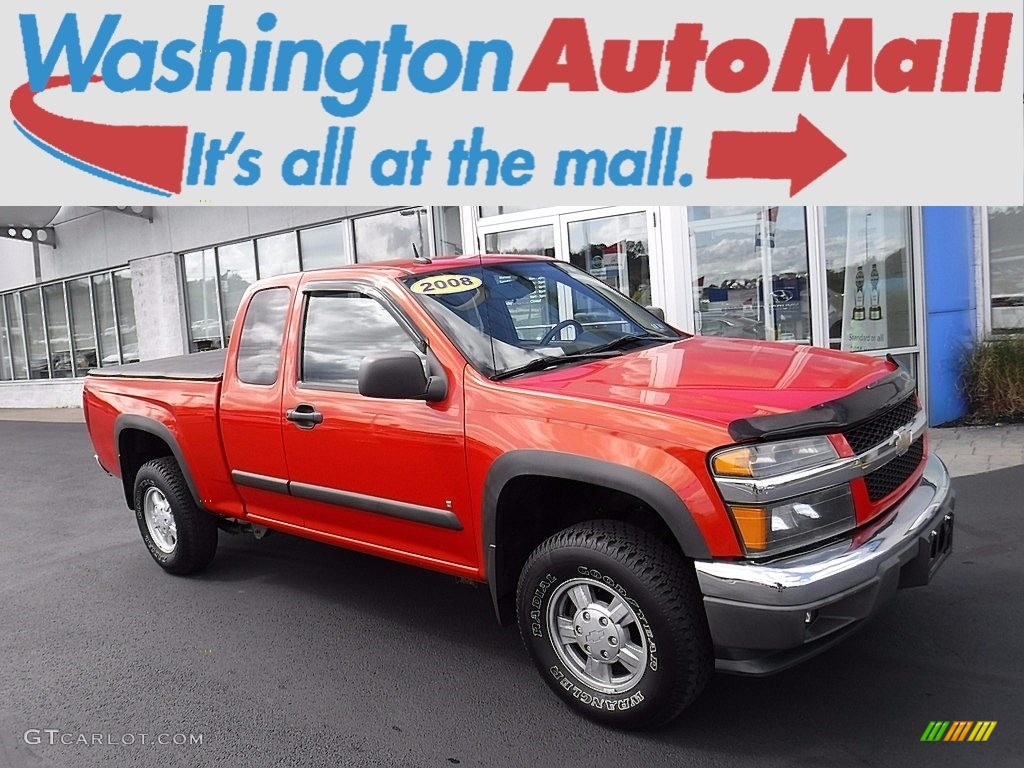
[(550, 335)]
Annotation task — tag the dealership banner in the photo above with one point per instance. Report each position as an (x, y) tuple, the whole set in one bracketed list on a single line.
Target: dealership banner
[(556, 102)]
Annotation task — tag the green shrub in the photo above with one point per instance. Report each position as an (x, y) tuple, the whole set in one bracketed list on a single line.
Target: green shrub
[(994, 379)]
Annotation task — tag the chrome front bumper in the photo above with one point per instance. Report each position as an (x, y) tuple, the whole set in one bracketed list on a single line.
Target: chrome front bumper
[(765, 617)]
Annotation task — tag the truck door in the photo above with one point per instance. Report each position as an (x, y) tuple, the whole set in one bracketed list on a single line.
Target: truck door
[(250, 409), (384, 476)]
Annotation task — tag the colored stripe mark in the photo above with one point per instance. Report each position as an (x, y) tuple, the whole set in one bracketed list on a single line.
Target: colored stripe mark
[(958, 730)]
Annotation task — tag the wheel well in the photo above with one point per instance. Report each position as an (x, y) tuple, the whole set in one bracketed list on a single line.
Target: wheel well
[(136, 447), (531, 508)]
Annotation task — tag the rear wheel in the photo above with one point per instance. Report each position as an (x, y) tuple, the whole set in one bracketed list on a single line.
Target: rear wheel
[(180, 536), (613, 619)]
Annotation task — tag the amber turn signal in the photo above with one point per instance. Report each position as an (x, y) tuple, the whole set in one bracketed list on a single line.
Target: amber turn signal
[(734, 463), (753, 526)]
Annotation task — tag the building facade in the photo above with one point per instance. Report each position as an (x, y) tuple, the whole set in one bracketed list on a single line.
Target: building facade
[(102, 286)]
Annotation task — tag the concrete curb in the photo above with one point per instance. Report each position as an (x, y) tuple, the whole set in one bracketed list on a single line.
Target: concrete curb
[(44, 415)]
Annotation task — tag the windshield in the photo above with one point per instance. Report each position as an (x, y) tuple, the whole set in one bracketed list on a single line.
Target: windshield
[(512, 317)]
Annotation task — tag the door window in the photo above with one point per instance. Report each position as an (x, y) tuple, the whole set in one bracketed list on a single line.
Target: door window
[(342, 329)]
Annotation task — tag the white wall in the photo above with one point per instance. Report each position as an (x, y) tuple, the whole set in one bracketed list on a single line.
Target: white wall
[(16, 264), (59, 393)]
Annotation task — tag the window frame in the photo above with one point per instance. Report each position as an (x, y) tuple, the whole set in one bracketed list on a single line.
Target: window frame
[(334, 287)]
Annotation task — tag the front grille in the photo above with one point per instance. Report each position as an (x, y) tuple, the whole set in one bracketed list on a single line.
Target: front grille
[(887, 479), (879, 428)]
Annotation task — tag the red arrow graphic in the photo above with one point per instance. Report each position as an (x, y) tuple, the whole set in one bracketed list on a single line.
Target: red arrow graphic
[(802, 156)]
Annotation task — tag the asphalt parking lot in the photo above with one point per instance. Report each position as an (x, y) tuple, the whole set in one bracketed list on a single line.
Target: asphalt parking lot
[(288, 652)]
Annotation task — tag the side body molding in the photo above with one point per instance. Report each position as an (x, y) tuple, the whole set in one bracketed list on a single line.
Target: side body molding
[(662, 499)]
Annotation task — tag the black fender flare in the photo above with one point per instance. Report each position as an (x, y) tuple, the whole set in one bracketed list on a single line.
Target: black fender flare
[(155, 428), (665, 502)]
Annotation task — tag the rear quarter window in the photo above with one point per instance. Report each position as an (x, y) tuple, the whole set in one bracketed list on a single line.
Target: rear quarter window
[(259, 348)]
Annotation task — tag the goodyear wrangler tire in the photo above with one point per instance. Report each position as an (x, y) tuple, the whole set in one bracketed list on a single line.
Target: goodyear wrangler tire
[(180, 536), (613, 619)]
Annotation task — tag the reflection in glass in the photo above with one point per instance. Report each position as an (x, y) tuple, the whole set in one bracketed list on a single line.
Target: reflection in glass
[(126, 316), (82, 330), (57, 325), (6, 371), (502, 210), (35, 338), (237, 272), (614, 250), (394, 235), (259, 348), (448, 230), (323, 247), (536, 241), (201, 298), (1006, 267), (278, 254), (869, 278), (16, 335), (908, 362), (341, 330), (104, 298), (750, 269)]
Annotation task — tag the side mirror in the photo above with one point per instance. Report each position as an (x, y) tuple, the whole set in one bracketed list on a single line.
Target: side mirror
[(396, 376), (658, 312)]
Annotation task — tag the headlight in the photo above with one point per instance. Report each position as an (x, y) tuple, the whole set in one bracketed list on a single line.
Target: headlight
[(770, 529), (773, 459)]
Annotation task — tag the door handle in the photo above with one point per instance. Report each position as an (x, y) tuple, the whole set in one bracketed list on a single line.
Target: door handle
[(304, 416)]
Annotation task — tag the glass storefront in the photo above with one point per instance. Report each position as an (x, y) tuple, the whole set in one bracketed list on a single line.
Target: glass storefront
[(126, 316), (616, 250), (324, 247), (750, 273), (61, 330), (392, 235), (201, 299), (237, 266), (278, 254), (61, 366), (530, 240), (106, 319), (216, 278), (840, 277), (83, 331), (869, 278), (1006, 268)]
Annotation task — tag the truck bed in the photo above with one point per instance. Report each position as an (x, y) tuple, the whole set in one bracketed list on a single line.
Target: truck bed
[(204, 366)]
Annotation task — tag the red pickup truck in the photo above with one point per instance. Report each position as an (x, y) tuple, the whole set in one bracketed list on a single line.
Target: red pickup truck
[(647, 504)]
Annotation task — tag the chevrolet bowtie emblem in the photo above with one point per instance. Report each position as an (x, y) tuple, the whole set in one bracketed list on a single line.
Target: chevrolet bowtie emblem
[(903, 438)]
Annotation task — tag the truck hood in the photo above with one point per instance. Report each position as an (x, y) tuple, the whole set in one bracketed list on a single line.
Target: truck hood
[(715, 380)]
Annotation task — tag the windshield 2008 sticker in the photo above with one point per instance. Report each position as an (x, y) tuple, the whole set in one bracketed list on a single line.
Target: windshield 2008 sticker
[(439, 285)]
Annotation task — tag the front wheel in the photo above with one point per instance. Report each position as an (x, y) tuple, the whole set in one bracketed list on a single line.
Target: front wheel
[(180, 536), (613, 619)]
